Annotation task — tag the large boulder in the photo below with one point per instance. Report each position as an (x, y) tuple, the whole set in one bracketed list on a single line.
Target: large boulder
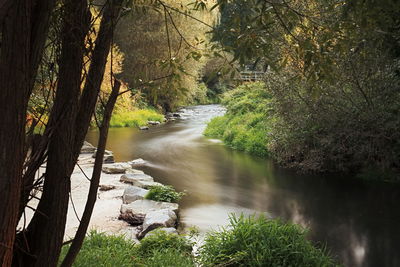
[(87, 148), (132, 219), (116, 168), (139, 179), (145, 206), (132, 193), (157, 219)]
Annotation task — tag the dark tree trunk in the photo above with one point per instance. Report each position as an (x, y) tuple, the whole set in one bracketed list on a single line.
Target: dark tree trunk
[(95, 180), (14, 94), (86, 110), (46, 230), (94, 79)]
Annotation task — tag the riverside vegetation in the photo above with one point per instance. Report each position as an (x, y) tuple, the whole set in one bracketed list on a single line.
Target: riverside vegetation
[(259, 121), (247, 241)]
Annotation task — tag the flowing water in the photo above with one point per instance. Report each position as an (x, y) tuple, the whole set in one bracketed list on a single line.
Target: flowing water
[(358, 221)]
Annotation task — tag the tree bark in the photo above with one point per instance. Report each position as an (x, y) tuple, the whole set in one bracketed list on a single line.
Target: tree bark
[(46, 230), (94, 79), (95, 180), (14, 82)]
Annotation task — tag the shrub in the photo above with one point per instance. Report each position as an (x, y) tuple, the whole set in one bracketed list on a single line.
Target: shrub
[(256, 241), (165, 193)]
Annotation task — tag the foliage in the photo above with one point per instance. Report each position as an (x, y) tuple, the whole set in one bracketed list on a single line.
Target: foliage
[(169, 258), (334, 79), (244, 126), (161, 241), (135, 118), (165, 193), (257, 241), (167, 43)]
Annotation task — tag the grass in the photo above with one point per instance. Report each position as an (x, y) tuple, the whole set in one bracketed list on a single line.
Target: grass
[(135, 118), (161, 249), (165, 193), (257, 241), (244, 126), (247, 241)]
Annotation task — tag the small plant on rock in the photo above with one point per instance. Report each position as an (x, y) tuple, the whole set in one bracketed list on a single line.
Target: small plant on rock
[(164, 193)]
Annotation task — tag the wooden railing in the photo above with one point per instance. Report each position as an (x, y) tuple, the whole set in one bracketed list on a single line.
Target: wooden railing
[(251, 76)]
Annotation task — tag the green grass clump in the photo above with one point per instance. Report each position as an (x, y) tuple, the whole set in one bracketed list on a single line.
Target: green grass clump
[(244, 126), (135, 118), (164, 193), (162, 241), (161, 249), (100, 249), (257, 241)]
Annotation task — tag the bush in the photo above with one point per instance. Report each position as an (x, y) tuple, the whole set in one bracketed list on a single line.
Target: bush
[(135, 118), (256, 241), (164, 193)]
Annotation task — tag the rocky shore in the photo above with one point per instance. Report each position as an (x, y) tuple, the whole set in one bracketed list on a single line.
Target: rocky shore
[(121, 207)]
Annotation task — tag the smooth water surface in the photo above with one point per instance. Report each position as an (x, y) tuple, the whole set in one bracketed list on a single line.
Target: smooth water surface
[(358, 221)]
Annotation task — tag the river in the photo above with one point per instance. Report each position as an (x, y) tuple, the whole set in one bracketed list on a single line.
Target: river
[(358, 221)]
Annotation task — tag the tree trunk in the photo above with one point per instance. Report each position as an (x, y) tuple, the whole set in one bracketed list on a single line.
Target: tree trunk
[(46, 230), (14, 82), (95, 180)]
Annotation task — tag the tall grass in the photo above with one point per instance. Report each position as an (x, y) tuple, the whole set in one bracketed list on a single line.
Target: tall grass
[(257, 241), (161, 249), (247, 241), (135, 118), (244, 126)]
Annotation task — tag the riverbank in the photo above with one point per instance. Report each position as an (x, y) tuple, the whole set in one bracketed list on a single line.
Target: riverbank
[(260, 121), (121, 207)]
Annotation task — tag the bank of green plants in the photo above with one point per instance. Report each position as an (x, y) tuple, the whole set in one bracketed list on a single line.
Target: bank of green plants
[(164, 193), (159, 249), (245, 125), (246, 241), (257, 241), (136, 118)]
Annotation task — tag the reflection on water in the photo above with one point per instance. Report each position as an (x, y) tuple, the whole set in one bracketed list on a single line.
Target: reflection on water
[(358, 221)]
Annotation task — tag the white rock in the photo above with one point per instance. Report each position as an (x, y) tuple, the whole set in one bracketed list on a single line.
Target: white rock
[(133, 193), (116, 168), (153, 122), (145, 206), (139, 180), (143, 128), (137, 162), (157, 219)]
